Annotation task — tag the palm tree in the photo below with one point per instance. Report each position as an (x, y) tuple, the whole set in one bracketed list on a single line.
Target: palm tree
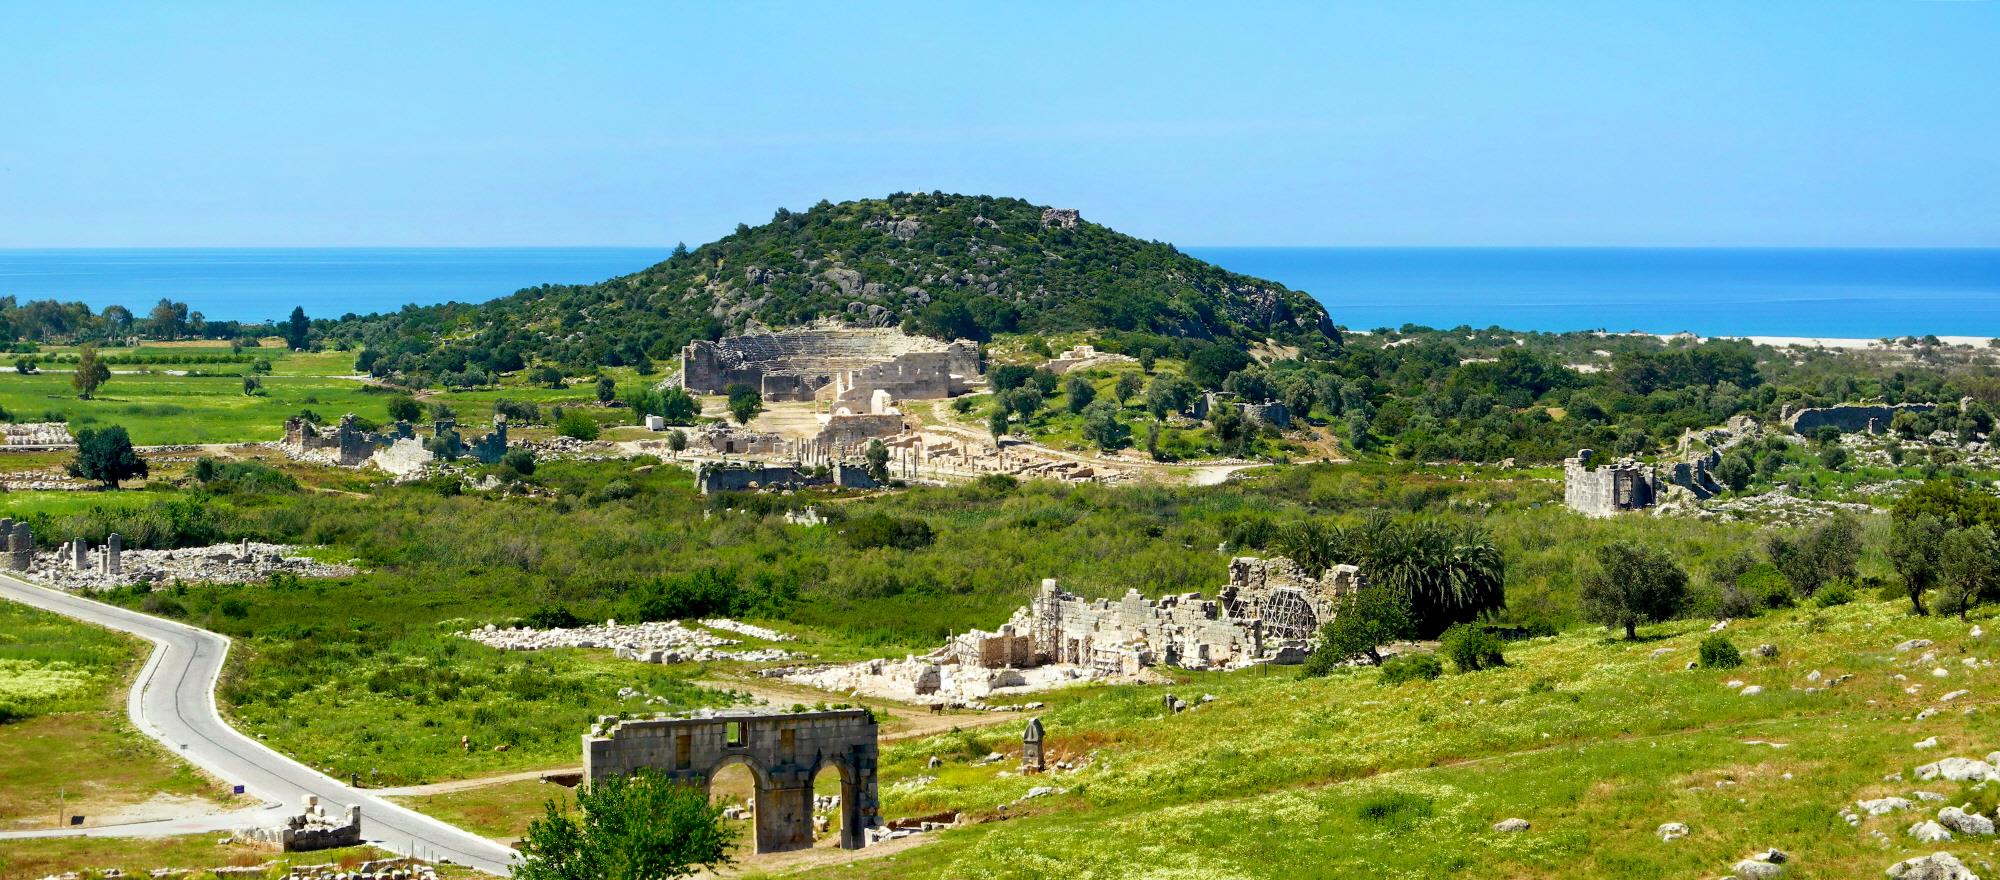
[(1449, 574)]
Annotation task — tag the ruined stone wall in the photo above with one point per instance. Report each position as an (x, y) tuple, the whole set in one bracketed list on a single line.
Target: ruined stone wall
[(1852, 419), (1607, 490), (856, 427), (1011, 646), (1277, 415), (737, 478), (490, 448), (1291, 602), (1697, 475), (1135, 632)]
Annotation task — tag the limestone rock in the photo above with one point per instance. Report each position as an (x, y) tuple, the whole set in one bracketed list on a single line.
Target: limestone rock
[(1880, 806), (1672, 831), (1963, 822), (1752, 690), (1765, 650), (1511, 825), (1912, 645), (1936, 866), (1763, 865), (1925, 743), (1930, 832), (1957, 770)]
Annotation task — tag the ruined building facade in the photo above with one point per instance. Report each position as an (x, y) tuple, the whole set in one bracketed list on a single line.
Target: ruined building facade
[(1608, 489), (1270, 611), (830, 363)]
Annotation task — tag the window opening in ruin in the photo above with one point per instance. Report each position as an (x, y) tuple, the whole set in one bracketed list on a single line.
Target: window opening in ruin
[(684, 752), (732, 733)]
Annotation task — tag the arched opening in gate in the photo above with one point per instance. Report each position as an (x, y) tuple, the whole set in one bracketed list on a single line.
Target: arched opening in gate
[(835, 804), (733, 785)]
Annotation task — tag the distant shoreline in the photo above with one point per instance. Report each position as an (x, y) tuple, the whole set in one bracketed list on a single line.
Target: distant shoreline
[(1833, 342)]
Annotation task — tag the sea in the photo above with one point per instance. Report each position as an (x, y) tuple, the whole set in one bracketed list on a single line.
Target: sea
[(1849, 293)]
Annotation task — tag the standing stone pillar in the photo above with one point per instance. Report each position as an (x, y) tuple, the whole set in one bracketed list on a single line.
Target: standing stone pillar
[(784, 811), (79, 555), (21, 548), (113, 545)]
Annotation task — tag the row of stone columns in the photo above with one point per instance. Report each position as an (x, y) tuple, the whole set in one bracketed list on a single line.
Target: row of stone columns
[(77, 554)]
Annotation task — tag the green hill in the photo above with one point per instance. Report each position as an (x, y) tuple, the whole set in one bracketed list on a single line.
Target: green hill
[(942, 265)]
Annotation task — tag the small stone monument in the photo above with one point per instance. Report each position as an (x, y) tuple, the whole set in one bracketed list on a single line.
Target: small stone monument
[(1031, 747)]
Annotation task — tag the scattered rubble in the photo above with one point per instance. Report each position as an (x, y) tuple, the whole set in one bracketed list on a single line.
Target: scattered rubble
[(655, 642), (77, 566)]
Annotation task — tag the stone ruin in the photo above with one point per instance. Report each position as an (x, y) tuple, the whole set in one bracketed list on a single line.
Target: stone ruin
[(73, 565), (1271, 413), (397, 449), (19, 553), (314, 828), (1608, 489), (1849, 418), (846, 424), (783, 751), (1271, 611), (831, 363), (36, 435), (712, 477), (667, 641), (344, 444)]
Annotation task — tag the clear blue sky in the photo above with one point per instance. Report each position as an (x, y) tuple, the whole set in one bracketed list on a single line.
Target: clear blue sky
[(1737, 122)]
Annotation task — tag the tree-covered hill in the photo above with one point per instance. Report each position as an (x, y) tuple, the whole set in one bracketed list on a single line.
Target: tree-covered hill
[(943, 265)]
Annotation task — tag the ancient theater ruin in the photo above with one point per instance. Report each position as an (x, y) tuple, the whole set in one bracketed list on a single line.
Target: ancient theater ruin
[(1270, 612), (832, 363)]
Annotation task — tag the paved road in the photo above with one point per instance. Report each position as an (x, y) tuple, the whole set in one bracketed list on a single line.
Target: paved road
[(173, 701)]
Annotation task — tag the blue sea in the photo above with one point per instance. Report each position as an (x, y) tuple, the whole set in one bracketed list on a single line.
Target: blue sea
[(1732, 292), (257, 284), (1856, 293)]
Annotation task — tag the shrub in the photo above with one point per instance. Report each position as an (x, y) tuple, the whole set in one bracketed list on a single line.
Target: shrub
[(552, 617), (1471, 648), (578, 425), (1838, 592), (1717, 652), (882, 530), (1396, 808), (1411, 667)]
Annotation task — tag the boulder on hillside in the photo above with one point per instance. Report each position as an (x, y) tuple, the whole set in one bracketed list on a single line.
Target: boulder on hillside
[(1936, 866)]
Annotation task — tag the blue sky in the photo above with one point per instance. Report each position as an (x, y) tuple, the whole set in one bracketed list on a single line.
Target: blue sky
[(1773, 122)]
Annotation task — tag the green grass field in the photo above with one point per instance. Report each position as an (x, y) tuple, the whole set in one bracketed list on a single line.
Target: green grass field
[(65, 744), (1596, 742)]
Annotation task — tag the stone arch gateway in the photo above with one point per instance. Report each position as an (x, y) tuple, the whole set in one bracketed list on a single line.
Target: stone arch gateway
[(784, 752)]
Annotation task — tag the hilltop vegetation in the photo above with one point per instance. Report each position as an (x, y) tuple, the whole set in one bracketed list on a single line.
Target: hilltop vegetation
[(943, 265)]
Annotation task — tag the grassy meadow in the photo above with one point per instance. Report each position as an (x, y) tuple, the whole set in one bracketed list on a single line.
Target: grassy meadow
[(1595, 741), (65, 743)]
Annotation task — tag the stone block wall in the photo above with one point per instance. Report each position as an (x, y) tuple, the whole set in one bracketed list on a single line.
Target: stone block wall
[(1609, 489), (1852, 419)]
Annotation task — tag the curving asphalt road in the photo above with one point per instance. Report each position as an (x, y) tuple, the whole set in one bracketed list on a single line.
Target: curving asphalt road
[(173, 701)]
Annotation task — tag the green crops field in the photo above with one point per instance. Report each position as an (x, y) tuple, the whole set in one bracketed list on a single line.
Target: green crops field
[(158, 408)]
